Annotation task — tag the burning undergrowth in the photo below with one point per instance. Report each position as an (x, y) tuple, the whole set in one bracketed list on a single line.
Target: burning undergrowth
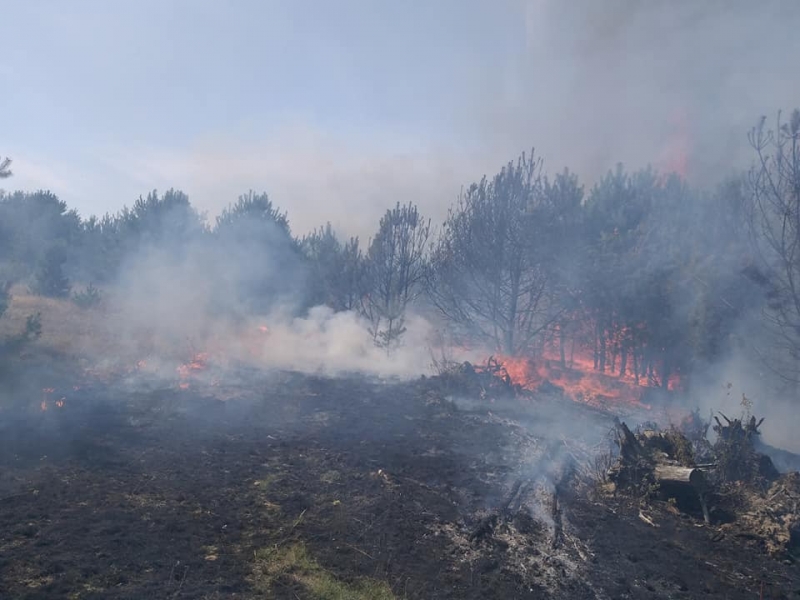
[(580, 383), (166, 324)]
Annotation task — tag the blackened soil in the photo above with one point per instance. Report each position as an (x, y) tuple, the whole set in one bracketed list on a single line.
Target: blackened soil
[(175, 494)]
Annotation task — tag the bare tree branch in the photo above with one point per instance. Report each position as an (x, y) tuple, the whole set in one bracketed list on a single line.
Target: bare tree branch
[(4, 168)]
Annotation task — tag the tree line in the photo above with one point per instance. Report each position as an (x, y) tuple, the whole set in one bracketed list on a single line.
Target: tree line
[(653, 276)]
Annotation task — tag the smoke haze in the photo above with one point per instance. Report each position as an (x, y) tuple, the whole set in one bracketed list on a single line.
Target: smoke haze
[(400, 105), (170, 305), (340, 113)]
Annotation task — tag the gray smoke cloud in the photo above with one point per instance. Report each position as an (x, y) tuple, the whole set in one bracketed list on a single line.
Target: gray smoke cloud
[(676, 83), (587, 83), (169, 307)]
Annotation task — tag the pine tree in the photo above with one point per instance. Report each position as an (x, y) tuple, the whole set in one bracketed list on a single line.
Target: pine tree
[(50, 280)]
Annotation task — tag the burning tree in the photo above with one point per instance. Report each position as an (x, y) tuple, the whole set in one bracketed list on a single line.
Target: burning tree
[(562, 203), (491, 266), (632, 273), (775, 187), (395, 268)]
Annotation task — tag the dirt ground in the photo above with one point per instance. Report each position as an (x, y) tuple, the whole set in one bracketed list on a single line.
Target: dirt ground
[(304, 487)]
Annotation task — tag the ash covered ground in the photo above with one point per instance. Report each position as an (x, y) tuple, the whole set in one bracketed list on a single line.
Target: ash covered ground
[(292, 486)]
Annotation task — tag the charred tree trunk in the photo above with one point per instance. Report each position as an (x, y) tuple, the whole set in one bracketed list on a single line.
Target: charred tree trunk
[(629, 447), (510, 338), (623, 359), (572, 352), (667, 371), (601, 344), (614, 353), (648, 366)]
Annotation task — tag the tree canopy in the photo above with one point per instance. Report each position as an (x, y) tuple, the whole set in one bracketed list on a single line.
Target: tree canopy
[(652, 276)]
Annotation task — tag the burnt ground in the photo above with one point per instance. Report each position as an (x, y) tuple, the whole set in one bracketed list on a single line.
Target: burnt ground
[(306, 487)]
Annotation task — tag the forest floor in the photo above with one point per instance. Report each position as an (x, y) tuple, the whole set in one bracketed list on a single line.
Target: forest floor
[(301, 487)]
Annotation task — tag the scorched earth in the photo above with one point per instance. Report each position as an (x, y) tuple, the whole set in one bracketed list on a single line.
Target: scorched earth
[(293, 486)]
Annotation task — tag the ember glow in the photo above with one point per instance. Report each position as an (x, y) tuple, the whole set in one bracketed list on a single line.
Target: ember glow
[(198, 362), (46, 392), (46, 399), (678, 145)]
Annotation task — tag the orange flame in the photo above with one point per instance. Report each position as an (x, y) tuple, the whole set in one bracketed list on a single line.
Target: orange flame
[(676, 152), (199, 362), (578, 378), (45, 394)]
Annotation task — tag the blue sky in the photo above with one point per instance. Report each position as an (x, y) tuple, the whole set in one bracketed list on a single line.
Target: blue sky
[(101, 98), (168, 71), (340, 109)]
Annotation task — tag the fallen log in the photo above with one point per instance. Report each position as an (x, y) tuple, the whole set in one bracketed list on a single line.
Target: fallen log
[(680, 475), (685, 477)]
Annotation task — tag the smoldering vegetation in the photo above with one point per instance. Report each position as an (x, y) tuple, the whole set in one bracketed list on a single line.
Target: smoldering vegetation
[(640, 277), (225, 371)]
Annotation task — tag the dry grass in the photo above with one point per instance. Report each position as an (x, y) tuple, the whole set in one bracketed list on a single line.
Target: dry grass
[(97, 334), (66, 329), (296, 563), (100, 334)]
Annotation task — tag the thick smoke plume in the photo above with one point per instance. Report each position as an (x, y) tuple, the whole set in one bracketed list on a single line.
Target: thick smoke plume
[(677, 84), (173, 305)]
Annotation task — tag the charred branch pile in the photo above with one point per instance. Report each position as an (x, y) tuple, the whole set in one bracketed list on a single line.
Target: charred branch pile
[(660, 464), (770, 516), (485, 381), (737, 457), (729, 484)]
